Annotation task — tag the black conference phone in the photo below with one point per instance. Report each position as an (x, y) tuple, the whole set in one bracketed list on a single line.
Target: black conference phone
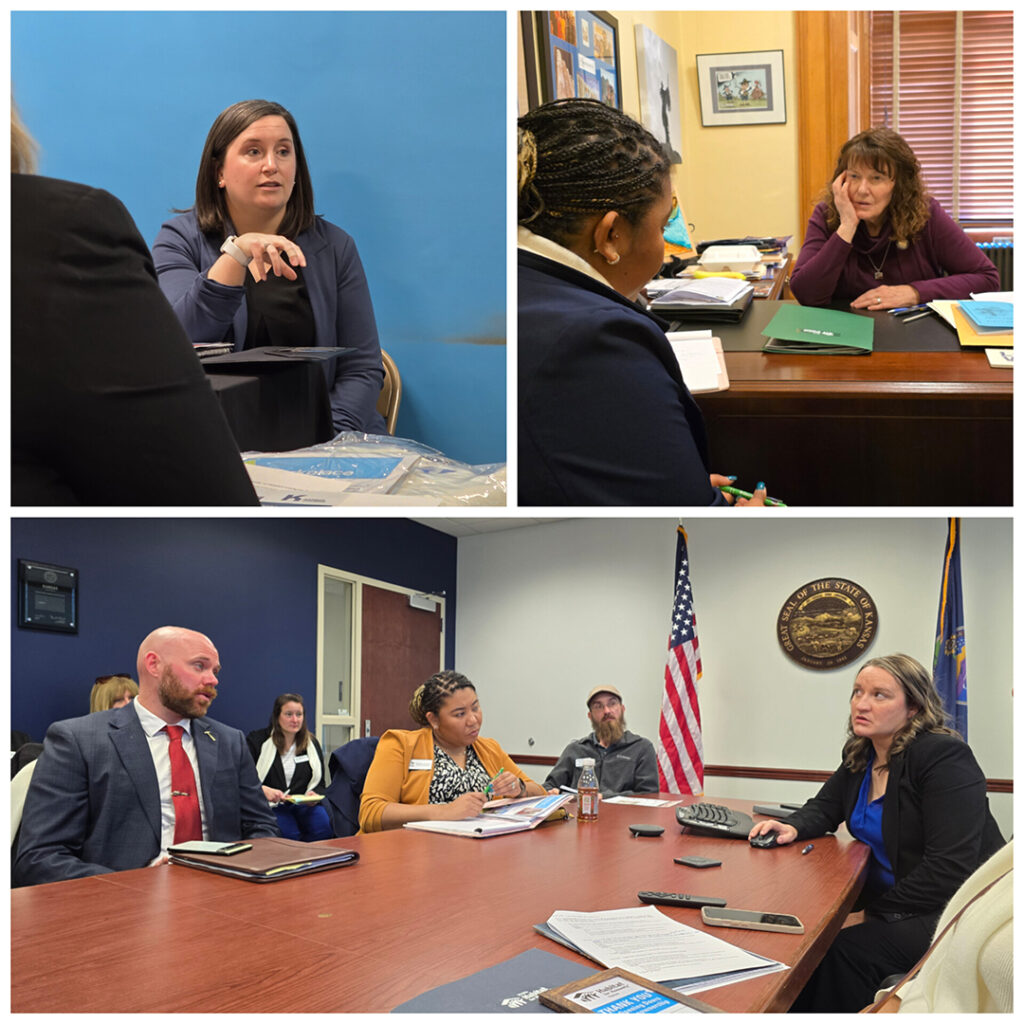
[(715, 820)]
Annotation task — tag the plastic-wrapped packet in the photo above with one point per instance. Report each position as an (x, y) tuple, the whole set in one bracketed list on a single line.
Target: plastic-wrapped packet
[(372, 469)]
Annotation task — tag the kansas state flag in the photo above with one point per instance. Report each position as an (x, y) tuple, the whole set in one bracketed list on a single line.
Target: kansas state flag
[(949, 664)]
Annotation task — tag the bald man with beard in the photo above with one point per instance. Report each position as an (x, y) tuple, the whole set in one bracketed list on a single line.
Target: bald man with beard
[(101, 798), (623, 761)]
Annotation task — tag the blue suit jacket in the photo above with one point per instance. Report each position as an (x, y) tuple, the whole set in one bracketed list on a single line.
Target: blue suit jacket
[(338, 294), (604, 415), (94, 802)]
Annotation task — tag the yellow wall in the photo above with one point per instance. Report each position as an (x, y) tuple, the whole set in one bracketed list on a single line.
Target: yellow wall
[(733, 181)]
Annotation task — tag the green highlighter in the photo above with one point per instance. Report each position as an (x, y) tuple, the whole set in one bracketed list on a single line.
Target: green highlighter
[(737, 493), (807, 330)]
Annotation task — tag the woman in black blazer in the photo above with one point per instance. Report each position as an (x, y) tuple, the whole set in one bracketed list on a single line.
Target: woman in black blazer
[(911, 789), (109, 404), (604, 415), (290, 763)]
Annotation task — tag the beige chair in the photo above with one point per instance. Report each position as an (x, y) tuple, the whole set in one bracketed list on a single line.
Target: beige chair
[(390, 392), (19, 790)]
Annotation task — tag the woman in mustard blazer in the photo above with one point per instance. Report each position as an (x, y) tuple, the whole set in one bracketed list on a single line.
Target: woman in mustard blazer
[(441, 771)]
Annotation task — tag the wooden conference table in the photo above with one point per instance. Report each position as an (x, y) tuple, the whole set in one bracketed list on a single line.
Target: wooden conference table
[(919, 421), (417, 911)]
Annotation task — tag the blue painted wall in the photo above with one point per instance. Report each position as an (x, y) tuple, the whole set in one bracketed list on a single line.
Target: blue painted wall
[(249, 584), (402, 116)]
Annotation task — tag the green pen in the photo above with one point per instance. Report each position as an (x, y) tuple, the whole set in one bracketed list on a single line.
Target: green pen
[(737, 493), (489, 788)]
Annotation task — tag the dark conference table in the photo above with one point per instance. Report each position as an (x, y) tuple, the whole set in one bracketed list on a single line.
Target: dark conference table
[(275, 399), (919, 421), (417, 911)]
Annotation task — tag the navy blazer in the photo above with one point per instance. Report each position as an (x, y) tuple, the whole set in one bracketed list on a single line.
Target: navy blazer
[(94, 802), (936, 823), (604, 415), (338, 294)]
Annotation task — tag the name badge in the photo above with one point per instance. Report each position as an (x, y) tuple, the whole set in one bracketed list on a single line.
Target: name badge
[(421, 764), (301, 758)]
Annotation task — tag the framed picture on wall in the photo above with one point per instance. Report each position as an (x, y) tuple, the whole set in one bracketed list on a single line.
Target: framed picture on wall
[(741, 88), (571, 55)]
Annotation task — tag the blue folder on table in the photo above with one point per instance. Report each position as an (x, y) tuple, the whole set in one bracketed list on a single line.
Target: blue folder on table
[(509, 987)]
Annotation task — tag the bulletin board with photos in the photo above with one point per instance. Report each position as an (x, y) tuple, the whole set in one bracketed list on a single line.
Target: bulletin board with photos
[(572, 54)]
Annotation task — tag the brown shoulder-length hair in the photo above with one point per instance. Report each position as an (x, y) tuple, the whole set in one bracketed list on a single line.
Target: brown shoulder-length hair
[(885, 151), (919, 689), (211, 208), (301, 737)]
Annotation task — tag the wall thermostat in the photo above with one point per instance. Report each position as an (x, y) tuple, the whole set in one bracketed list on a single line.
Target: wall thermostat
[(47, 597)]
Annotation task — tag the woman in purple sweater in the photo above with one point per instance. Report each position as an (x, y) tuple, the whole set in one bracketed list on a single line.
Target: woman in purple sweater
[(879, 241)]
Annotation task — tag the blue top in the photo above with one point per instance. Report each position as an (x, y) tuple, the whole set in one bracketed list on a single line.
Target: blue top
[(338, 294), (865, 824)]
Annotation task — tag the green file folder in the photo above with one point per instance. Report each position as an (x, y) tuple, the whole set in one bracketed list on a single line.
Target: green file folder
[(807, 330)]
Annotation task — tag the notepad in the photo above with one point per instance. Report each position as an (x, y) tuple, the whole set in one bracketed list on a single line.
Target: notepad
[(807, 330), (701, 360)]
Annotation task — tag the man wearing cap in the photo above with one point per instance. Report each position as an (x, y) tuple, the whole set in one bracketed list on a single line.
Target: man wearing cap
[(623, 761)]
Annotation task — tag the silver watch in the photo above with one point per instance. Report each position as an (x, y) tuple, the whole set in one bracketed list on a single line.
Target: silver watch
[(234, 252)]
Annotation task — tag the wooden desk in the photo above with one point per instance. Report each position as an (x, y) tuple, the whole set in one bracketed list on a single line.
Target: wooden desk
[(930, 426), (417, 911)]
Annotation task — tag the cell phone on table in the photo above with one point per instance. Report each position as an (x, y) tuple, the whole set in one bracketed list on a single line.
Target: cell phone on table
[(209, 846), (757, 920)]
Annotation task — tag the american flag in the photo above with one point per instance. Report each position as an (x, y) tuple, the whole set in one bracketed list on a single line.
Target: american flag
[(680, 749)]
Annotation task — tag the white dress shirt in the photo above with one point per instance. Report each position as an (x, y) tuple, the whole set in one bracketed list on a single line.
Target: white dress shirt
[(159, 747)]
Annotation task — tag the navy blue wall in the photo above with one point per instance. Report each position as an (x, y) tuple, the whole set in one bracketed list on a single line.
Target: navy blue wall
[(402, 117), (249, 584)]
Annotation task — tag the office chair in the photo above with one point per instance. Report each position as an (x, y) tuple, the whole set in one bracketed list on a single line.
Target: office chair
[(390, 392), (348, 766), (19, 790), (23, 755)]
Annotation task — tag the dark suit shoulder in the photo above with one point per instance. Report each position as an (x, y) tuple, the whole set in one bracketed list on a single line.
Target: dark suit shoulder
[(929, 745), (36, 188)]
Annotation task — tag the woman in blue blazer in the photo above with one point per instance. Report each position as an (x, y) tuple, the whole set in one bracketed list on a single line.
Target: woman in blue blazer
[(604, 415), (252, 264), (911, 789)]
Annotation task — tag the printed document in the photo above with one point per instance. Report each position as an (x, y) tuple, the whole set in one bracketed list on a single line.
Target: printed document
[(647, 942)]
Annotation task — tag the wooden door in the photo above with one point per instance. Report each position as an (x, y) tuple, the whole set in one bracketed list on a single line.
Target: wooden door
[(401, 647)]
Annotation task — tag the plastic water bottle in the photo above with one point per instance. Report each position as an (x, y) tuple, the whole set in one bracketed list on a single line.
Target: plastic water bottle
[(587, 792)]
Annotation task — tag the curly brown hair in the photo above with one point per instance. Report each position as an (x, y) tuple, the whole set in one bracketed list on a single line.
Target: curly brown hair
[(885, 151), (919, 689), (578, 157)]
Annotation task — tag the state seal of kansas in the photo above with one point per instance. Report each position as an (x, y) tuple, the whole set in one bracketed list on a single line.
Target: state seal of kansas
[(827, 623)]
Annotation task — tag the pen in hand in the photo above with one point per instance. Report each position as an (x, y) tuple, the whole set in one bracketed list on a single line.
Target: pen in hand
[(489, 788), (736, 492)]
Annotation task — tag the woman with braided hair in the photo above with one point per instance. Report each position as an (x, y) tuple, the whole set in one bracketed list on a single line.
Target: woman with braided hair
[(439, 772), (604, 415)]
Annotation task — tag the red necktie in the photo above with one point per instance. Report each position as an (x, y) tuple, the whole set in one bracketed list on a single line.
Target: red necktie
[(187, 821)]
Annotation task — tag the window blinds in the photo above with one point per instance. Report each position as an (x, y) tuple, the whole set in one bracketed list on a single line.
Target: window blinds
[(944, 81)]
